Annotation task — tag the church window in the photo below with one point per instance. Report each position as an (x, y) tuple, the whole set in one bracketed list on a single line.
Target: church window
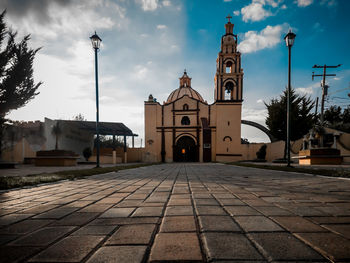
[(185, 120), (229, 67), (185, 107), (227, 138), (229, 91)]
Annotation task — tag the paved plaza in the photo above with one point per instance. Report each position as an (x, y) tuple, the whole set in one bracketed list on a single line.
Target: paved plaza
[(31, 169), (179, 213)]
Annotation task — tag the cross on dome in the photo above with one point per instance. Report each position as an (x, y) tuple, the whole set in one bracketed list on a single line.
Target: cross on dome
[(228, 18)]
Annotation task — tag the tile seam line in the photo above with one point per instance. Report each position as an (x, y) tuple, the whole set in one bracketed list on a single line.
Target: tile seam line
[(146, 256), (201, 245)]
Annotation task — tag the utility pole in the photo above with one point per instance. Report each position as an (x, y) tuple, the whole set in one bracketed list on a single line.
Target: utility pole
[(323, 85), (316, 106)]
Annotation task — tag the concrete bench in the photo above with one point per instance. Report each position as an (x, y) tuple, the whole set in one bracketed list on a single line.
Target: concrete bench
[(56, 160), (319, 156)]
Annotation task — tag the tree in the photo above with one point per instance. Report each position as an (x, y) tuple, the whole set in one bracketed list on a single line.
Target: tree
[(302, 120), (107, 142), (17, 85), (346, 115), (56, 130), (336, 119), (261, 154), (79, 117), (244, 141), (333, 115), (87, 153)]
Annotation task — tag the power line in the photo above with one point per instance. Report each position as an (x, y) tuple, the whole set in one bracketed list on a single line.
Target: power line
[(339, 90), (323, 84)]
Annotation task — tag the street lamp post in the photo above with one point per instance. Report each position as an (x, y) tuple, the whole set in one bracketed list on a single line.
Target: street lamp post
[(96, 41), (289, 38)]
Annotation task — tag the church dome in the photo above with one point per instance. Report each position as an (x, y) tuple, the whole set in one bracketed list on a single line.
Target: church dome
[(185, 89)]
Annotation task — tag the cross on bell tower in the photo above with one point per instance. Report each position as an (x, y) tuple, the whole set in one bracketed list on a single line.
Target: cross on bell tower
[(229, 74), (229, 25)]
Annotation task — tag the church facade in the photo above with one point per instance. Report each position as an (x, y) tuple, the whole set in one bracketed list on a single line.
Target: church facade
[(187, 128)]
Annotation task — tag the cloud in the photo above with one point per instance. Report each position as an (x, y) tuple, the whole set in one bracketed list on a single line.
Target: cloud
[(149, 5), (317, 27), (72, 22), (269, 37), (304, 3), (126, 74), (236, 13), (227, 1), (254, 12), (253, 114), (329, 3), (166, 3), (309, 90), (283, 7), (259, 101), (39, 8), (141, 72), (273, 3), (161, 26)]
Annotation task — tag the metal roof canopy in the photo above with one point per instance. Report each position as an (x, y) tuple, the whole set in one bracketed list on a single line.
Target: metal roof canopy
[(105, 128)]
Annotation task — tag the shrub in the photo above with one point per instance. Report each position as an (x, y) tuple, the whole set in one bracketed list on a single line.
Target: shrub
[(261, 154), (87, 153)]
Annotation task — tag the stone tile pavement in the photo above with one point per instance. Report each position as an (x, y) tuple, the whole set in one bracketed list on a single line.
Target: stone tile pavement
[(179, 213), (30, 169)]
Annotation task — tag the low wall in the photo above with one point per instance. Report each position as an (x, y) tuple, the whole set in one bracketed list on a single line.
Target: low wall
[(134, 155), (105, 159), (21, 149), (274, 150)]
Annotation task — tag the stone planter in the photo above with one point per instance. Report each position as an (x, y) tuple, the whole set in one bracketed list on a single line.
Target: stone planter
[(56, 158)]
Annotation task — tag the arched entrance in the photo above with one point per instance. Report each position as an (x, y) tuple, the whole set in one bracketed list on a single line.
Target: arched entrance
[(185, 150)]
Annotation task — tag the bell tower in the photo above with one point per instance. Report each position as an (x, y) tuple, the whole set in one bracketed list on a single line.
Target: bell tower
[(229, 74), (228, 98)]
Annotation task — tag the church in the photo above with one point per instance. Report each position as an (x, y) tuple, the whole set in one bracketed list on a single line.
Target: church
[(186, 128)]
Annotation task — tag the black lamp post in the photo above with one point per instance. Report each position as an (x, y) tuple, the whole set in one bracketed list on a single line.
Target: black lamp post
[(289, 38), (96, 41)]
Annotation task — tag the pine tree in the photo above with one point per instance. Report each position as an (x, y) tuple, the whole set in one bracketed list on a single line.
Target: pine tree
[(336, 119), (17, 85), (302, 120)]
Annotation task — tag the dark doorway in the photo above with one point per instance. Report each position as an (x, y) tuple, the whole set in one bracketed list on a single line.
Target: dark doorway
[(206, 145), (185, 150)]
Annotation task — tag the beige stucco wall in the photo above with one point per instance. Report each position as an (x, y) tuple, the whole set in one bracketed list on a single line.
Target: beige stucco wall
[(19, 150), (274, 150), (71, 139), (152, 139), (135, 154), (225, 120), (153, 119), (228, 124)]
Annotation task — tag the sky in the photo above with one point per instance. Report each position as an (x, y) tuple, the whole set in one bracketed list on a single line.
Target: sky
[(147, 44)]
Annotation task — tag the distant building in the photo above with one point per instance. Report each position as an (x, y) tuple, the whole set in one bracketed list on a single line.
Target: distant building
[(23, 139), (187, 128)]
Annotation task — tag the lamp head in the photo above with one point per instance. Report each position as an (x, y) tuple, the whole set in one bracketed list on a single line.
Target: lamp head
[(95, 41), (289, 38)]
